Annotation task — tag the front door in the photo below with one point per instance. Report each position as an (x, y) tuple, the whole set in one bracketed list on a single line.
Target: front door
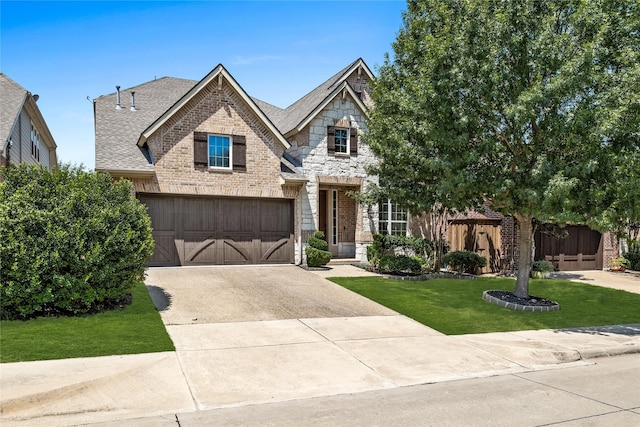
[(322, 213)]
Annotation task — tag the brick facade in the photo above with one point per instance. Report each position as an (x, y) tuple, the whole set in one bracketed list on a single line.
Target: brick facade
[(219, 111)]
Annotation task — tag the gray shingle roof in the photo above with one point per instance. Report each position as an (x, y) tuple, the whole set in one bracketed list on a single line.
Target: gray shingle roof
[(289, 118), (12, 97), (117, 131)]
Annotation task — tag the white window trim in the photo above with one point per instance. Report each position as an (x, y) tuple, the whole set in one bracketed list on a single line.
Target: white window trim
[(334, 217), (35, 143), (224, 168), (389, 222), (348, 149)]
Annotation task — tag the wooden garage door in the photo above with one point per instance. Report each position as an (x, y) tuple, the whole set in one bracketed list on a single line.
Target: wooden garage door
[(219, 231), (574, 247)]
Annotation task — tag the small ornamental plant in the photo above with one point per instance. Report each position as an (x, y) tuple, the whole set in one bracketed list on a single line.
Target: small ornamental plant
[(317, 253), (619, 264), (541, 269)]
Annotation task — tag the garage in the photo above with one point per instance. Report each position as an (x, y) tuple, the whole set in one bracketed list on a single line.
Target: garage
[(220, 231), (575, 247)]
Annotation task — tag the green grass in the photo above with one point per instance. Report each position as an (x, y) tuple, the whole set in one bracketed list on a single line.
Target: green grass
[(456, 306), (137, 328)]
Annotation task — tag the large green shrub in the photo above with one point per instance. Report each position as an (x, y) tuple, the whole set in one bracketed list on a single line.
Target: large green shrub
[(399, 264), (543, 266), (316, 251), (464, 261), (633, 255), (385, 245), (73, 242)]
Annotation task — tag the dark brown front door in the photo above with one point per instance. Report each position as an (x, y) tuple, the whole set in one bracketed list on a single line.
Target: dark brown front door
[(322, 213), (220, 231)]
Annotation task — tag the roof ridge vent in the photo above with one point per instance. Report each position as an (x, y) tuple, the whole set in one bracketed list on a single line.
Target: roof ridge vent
[(118, 106)]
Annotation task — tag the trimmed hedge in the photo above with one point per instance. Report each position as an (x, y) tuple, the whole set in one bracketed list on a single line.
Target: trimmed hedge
[(464, 261), (417, 251), (317, 254), (399, 264), (73, 242)]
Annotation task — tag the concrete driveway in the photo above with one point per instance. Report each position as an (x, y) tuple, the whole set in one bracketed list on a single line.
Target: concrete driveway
[(256, 293)]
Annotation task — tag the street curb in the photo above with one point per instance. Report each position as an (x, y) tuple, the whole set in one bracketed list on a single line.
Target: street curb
[(620, 350)]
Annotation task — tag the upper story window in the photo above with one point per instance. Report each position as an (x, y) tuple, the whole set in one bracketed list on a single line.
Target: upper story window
[(393, 220), (342, 141), (35, 143), (219, 151)]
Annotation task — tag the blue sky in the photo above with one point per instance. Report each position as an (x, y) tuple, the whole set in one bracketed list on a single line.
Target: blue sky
[(277, 50)]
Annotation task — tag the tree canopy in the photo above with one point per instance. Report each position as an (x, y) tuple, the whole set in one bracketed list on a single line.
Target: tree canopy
[(530, 106)]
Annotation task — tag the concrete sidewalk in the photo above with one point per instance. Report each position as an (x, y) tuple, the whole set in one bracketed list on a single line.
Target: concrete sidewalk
[(220, 364)]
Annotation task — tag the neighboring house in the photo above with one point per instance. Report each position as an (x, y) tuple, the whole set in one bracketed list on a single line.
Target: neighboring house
[(229, 179), (495, 236), (24, 135)]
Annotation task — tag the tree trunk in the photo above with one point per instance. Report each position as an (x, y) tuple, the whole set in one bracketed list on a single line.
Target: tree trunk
[(525, 258)]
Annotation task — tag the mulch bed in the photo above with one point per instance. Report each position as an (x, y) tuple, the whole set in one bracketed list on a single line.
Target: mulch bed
[(508, 300)]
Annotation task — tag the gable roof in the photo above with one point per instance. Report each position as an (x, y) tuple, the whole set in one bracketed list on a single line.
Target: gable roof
[(221, 73), (300, 113), (118, 130), (12, 98)]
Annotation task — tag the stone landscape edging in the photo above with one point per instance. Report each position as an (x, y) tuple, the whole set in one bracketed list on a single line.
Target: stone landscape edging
[(518, 307)]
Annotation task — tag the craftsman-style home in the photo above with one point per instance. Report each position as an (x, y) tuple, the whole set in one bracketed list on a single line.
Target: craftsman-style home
[(230, 179)]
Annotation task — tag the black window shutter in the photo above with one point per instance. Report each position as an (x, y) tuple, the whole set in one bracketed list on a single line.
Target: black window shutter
[(331, 139), (239, 152), (353, 141), (200, 148)]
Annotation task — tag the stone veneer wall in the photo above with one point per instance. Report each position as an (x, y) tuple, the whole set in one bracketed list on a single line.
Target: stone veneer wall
[(316, 163)]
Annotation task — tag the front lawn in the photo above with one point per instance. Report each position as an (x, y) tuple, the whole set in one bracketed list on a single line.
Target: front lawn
[(137, 328), (454, 306)]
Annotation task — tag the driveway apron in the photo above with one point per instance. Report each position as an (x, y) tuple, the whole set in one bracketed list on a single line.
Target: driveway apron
[(272, 333)]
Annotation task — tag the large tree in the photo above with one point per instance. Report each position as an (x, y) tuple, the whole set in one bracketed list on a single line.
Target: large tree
[(530, 106)]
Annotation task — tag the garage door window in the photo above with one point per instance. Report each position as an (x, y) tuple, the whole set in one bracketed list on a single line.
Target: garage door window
[(219, 151)]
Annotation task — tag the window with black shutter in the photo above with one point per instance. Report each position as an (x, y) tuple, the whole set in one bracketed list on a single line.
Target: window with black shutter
[(239, 153), (342, 140), (331, 139), (200, 149), (220, 151)]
